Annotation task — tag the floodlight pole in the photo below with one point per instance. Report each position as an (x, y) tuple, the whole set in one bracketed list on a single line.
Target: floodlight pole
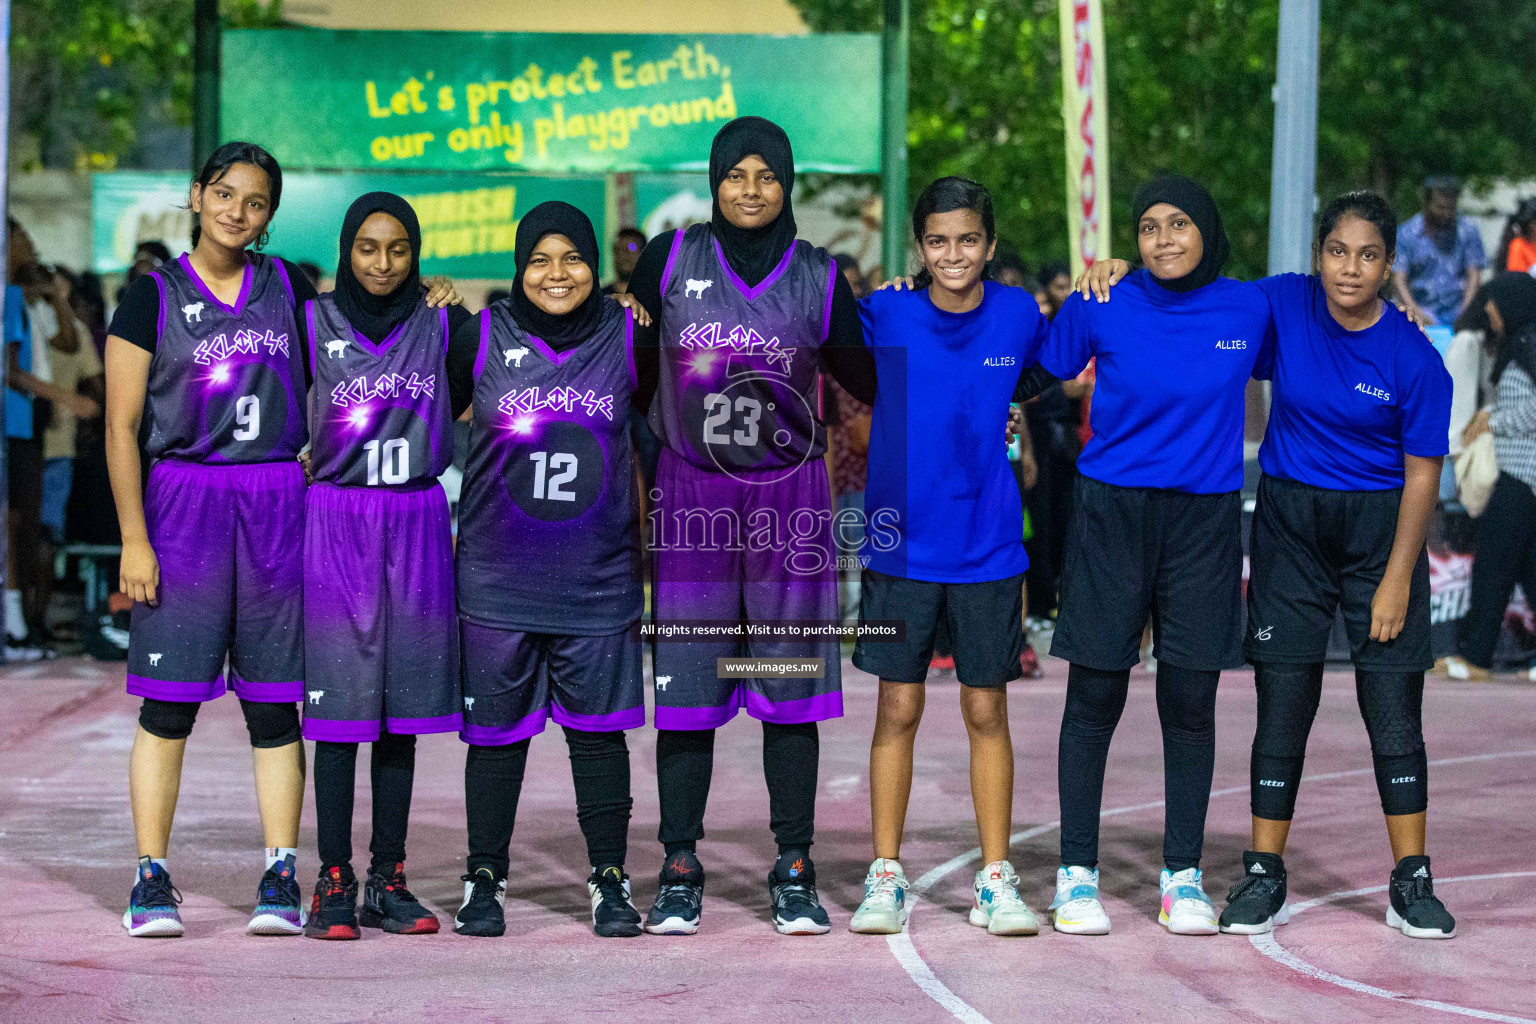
[(894, 39), (1293, 184), (205, 81)]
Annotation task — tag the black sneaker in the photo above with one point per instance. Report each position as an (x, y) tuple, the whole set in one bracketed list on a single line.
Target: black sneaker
[(482, 913), (152, 909), (279, 902), (389, 905), (792, 888), (613, 915), (1256, 904), (680, 900), (333, 912), (1415, 911)]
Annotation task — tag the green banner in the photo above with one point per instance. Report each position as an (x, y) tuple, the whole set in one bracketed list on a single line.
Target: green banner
[(545, 102), (468, 221)]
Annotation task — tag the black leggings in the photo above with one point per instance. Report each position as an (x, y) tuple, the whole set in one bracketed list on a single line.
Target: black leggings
[(493, 782), (270, 724), (685, 764), (1186, 707), (392, 772), (1390, 702)]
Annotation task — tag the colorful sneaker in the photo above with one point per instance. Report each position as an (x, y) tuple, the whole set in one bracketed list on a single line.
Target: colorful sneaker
[(1256, 904), (152, 905), (333, 911), (942, 663), (613, 915), (1029, 664), (389, 905), (1187, 910), (680, 900), (482, 912), (999, 908), (1076, 910), (279, 902), (792, 890), (884, 910), (1414, 910)]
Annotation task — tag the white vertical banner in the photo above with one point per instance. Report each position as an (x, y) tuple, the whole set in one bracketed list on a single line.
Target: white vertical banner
[(1083, 102)]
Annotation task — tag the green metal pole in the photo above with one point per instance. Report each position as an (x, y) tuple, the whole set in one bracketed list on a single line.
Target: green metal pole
[(893, 134), (205, 81)]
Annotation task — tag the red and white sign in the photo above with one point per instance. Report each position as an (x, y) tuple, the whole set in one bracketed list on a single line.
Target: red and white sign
[(1083, 99)]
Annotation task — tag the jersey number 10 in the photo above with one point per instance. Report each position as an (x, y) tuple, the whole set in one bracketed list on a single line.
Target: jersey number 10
[(389, 462)]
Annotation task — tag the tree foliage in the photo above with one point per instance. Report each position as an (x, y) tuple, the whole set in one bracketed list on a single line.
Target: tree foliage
[(89, 78), (1405, 89)]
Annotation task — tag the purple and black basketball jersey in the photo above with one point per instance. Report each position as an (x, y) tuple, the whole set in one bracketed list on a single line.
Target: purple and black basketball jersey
[(740, 365), (548, 525), (226, 385), (381, 411)]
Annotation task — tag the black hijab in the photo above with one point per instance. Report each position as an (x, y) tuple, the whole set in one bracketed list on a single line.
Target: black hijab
[(559, 331), (374, 316), (1514, 295), (1191, 197), (753, 252)]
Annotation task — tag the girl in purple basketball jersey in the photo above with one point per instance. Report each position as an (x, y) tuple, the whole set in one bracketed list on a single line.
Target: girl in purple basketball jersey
[(203, 354), (381, 641), (748, 316)]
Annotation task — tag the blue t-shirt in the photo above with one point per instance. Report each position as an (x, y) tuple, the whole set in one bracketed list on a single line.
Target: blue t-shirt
[(1167, 407), (1436, 265), (18, 407), (941, 502), (1349, 404)]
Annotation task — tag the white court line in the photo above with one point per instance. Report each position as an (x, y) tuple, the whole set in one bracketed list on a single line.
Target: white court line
[(922, 975), (1270, 947)]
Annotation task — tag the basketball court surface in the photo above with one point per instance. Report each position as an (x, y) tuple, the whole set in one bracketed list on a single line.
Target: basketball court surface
[(66, 859)]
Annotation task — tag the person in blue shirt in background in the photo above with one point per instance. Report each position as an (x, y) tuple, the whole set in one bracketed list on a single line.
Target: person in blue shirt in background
[(1440, 258), (1351, 460), (945, 533), (1155, 532)]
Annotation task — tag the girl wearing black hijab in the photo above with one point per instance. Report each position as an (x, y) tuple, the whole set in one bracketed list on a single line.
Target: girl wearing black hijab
[(549, 558), (747, 316), (381, 641), (1154, 532)]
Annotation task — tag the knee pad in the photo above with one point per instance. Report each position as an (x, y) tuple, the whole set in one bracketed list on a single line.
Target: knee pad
[(1272, 783), (271, 725), (1403, 782), (168, 719)]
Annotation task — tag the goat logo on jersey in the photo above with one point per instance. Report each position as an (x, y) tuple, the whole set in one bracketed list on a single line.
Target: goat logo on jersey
[(514, 356), (315, 695), (695, 287), (335, 348), (154, 659), (193, 311)]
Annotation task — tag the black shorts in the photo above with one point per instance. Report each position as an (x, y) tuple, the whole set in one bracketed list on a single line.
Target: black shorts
[(1135, 552), (985, 623), (1314, 552), (24, 476)]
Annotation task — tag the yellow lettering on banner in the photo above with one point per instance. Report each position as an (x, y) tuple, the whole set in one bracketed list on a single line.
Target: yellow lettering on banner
[(658, 114), (725, 106), (445, 97), (372, 92), (475, 95), (623, 71), (635, 114), (707, 63), (647, 74), (543, 131), (535, 75), (412, 91), (519, 90), (684, 54), (587, 66), (399, 147), (557, 85)]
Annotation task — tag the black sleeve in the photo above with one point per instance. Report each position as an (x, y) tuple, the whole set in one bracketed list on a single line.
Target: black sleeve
[(1034, 380), (844, 352), (647, 365), (463, 350), (303, 291), (137, 319), (457, 316), (645, 282)]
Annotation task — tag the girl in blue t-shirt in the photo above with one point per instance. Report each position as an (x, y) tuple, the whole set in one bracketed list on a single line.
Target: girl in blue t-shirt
[(1351, 460)]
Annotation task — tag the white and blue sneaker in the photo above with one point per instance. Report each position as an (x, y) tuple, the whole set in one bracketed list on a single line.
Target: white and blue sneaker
[(999, 908), (884, 910), (1076, 909), (1187, 910)]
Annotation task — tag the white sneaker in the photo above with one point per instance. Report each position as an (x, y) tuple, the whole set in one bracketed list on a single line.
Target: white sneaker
[(999, 908), (1076, 909), (884, 910), (1187, 910)]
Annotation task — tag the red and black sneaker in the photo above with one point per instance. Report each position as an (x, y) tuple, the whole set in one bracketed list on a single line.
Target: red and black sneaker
[(1029, 663), (389, 905), (333, 913)]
